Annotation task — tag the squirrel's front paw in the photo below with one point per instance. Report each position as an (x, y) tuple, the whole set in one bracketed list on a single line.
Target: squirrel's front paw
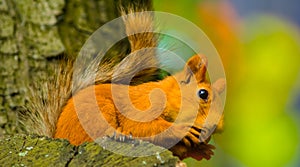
[(192, 137), (187, 134), (196, 136)]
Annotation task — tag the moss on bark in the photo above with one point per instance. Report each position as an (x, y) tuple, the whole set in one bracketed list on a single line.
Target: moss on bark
[(30, 150)]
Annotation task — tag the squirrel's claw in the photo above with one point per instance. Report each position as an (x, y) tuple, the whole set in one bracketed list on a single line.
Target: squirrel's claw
[(197, 136), (119, 137), (191, 139)]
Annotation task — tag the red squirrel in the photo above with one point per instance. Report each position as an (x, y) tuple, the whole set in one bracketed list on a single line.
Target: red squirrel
[(172, 109)]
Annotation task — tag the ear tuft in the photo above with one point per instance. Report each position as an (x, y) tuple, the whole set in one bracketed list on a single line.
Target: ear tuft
[(197, 66), (219, 85)]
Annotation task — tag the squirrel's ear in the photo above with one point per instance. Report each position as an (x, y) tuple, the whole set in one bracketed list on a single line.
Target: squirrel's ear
[(196, 66), (219, 85)]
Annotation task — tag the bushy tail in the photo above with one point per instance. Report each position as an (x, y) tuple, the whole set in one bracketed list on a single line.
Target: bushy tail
[(142, 63), (46, 100)]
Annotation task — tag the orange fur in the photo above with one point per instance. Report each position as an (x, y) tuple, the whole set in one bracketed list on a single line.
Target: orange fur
[(146, 110)]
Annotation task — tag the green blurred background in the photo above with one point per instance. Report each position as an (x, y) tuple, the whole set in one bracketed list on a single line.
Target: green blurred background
[(259, 44)]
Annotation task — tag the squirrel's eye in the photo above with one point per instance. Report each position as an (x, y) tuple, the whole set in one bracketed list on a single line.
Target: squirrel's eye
[(203, 94)]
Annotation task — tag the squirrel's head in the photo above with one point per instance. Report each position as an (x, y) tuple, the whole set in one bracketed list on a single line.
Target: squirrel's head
[(199, 94)]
